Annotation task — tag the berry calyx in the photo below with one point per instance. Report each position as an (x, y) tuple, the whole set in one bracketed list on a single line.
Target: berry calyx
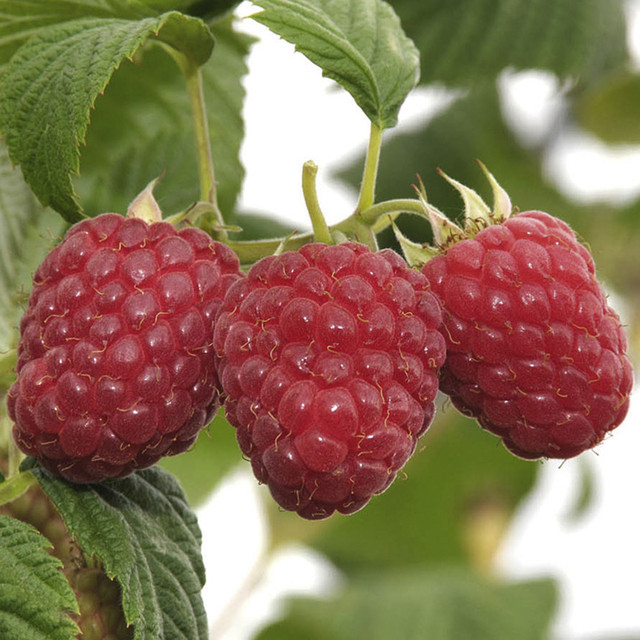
[(115, 361), (534, 351), (329, 362)]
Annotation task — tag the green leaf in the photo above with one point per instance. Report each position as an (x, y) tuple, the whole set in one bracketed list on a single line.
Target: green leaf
[(420, 605), (205, 8), (360, 44), (26, 234), (470, 41), (53, 80), (35, 597), (22, 19), (148, 539), (610, 109), (147, 104)]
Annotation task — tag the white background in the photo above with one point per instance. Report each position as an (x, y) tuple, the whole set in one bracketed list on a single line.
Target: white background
[(293, 115)]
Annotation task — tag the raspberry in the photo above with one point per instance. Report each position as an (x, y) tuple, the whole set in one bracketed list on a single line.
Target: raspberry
[(534, 352), (100, 603), (115, 362), (329, 360)]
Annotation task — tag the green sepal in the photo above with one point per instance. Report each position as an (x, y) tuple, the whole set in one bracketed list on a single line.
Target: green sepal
[(445, 232), (415, 254), (476, 211)]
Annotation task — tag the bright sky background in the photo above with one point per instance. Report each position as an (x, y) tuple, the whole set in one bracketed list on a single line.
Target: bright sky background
[(294, 115)]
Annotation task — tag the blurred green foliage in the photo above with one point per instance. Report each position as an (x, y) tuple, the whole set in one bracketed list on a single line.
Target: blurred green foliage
[(423, 605)]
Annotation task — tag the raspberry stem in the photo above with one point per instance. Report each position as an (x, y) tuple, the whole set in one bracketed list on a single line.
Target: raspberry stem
[(369, 177), (250, 251), (377, 215), (208, 183), (319, 224), (239, 599), (15, 486), (8, 445)]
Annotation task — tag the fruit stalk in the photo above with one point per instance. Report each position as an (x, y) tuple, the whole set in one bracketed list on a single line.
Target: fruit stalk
[(15, 486), (208, 183), (14, 455), (319, 224), (369, 177), (378, 215)]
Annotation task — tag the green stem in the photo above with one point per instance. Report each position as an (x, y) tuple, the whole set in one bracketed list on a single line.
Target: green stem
[(367, 235), (370, 222), (368, 186), (15, 457), (7, 442), (208, 184), (374, 213), (383, 223), (319, 224), (15, 486), (250, 251)]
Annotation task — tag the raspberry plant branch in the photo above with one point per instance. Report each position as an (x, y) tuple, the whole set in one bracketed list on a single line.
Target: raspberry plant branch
[(252, 580), (364, 233), (319, 224), (14, 455), (8, 361), (363, 225)]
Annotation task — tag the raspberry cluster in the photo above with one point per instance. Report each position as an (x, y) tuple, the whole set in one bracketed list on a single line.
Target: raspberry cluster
[(115, 363), (329, 362), (328, 358), (534, 351)]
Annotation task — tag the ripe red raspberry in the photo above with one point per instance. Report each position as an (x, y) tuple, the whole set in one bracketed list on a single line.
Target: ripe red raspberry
[(534, 352), (115, 363), (329, 360)]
